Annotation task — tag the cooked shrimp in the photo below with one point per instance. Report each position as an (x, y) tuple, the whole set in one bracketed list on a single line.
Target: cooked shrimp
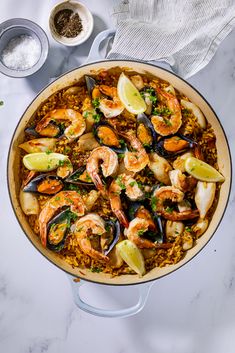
[(137, 227), (109, 164), (181, 181), (85, 227), (110, 108), (63, 198), (165, 126), (136, 160), (164, 193), (73, 131), (132, 190)]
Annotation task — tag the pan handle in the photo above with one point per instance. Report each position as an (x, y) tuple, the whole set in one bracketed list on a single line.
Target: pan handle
[(143, 296), (95, 55)]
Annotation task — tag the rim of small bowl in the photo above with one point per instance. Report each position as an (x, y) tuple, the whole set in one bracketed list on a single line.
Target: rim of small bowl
[(70, 41), (38, 32)]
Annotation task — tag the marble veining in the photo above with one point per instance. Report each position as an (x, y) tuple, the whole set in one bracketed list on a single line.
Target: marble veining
[(189, 311)]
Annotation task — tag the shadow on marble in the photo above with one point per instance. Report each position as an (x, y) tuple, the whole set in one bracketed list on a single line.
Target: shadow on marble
[(62, 59)]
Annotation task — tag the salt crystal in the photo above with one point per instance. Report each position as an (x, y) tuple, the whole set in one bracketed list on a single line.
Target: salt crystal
[(21, 53)]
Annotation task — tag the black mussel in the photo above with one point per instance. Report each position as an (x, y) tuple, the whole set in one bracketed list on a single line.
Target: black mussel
[(145, 131), (111, 237), (80, 176), (160, 235), (107, 136), (52, 130), (90, 84), (169, 147), (45, 184), (155, 232), (31, 131), (57, 229)]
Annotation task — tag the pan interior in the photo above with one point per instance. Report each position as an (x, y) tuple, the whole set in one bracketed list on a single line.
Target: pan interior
[(224, 162)]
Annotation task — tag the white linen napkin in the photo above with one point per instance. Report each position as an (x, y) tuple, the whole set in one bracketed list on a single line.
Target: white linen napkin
[(183, 33)]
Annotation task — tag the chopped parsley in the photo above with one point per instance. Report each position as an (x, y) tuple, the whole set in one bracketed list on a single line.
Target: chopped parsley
[(169, 209), (188, 229), (96, 269), (48, 151), (86, 114), (73, 187), (96, 117), (120, 183), (132, 183), (108, 228), (141, 232), (121, 155), (154, 201), (164, 111), (96, 102), (1, 103), (57, 198)]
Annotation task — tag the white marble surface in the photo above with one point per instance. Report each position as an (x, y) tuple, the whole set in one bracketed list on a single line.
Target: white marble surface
[(190, 311)]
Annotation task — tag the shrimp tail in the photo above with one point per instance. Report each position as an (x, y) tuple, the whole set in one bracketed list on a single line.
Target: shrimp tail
[(122, 218)]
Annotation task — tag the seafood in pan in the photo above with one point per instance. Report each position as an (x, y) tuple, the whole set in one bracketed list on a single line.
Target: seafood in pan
[(119, 159)]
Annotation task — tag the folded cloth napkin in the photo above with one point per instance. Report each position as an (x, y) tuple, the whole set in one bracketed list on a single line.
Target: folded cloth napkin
[(183, 33)]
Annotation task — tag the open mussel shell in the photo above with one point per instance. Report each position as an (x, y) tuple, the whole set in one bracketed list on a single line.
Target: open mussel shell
[(155, 232), (45, 184), (107, 136), (80, 177), (90, 84), (114, 230), (52, 130), (169, 147), (57, 230), (145, 131)]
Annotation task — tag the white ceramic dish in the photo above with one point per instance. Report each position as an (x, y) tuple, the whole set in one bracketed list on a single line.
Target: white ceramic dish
[(87, 22)]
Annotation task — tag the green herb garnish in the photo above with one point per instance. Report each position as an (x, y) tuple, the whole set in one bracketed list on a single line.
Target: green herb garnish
[(96, 269), (1, 103), (120, 183), (96, 102), (154, 201), (169, 209)]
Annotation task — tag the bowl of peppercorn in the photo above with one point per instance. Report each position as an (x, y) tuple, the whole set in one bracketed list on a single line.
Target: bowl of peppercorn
[(71, 23)]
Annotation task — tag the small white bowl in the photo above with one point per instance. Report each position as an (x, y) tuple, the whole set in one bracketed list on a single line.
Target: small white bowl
[(87, 22)]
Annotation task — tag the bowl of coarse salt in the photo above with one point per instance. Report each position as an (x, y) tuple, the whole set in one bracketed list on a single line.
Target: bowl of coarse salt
[(23, 47)]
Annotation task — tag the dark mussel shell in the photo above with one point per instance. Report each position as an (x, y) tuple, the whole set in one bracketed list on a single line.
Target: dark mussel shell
[(77, 179), (90, 84), (52, 130), (107, 136), (171, 146), (155, 232), (45, 184), (145, 131), (57, 230), (115, 229)]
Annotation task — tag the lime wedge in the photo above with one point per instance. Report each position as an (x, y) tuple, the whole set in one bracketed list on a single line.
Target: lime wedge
[(130, 96), (132, 256), (202, 171), (43, 162)]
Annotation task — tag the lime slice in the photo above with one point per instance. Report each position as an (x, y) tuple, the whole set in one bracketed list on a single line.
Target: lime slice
[(132, 256), (130, 96), (202, 171), (43, 162)]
